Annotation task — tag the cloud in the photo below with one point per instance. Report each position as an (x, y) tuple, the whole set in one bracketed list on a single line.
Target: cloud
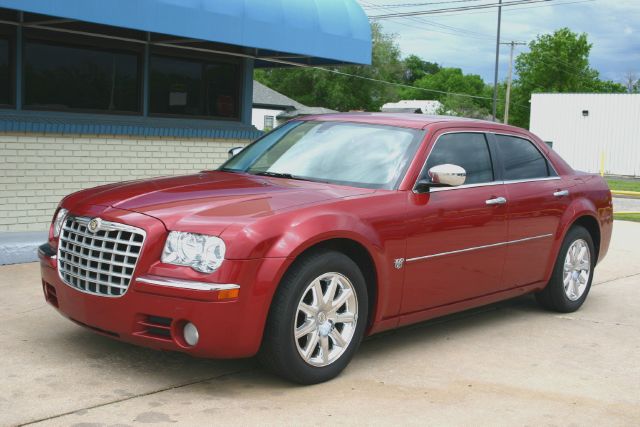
[(467, 40)]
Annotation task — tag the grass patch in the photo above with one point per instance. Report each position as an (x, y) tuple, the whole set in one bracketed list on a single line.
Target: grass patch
[(624, 185), (627, 217)]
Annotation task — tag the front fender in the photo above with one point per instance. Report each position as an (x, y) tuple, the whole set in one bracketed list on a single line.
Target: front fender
[(374, 224)]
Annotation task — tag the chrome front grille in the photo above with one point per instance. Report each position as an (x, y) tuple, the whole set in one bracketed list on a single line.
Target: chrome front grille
[(100, 262)]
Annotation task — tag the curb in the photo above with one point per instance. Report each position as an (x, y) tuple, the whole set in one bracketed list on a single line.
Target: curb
[(625, 193), (20, 247)]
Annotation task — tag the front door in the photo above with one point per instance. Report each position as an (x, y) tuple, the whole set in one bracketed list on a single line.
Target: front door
[(455, 244)]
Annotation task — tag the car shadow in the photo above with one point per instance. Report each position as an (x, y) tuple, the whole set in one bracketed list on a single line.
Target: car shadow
[(218, 377)]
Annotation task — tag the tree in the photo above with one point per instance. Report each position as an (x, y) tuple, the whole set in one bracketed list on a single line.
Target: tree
[(631, 82), (315, 87), (444, 83), (557, 62), (415, 68)]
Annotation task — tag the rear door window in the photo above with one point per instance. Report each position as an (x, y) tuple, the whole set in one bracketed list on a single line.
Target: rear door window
[(521, 159)]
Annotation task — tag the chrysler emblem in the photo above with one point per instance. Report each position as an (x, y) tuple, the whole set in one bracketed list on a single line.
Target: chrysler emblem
[(94, 225)]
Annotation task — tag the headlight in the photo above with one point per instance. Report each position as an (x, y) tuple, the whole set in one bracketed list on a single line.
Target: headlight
[(198, 251), (58, 222)]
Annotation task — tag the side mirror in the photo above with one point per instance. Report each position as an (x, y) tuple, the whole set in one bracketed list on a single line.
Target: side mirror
[(235, 150), (446, 175)]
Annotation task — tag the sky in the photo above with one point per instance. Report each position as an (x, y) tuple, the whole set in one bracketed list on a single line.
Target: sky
[(467, 40)]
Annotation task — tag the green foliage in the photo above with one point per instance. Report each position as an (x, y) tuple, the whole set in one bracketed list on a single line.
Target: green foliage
[(557, 62), (627, 217), (452, 80), (339, 92), (416, 68), (624, 184)]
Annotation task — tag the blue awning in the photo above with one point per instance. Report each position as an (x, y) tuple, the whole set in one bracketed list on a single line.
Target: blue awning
[(323, 30)]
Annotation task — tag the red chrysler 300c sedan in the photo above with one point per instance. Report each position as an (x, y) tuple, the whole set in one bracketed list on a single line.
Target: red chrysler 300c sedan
[(323, 231)]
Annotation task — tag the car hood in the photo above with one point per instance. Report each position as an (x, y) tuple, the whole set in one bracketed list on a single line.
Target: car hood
[(207, 202)]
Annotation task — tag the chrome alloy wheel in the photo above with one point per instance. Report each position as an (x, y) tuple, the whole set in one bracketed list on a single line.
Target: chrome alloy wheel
[(325, 320), (577, 269)]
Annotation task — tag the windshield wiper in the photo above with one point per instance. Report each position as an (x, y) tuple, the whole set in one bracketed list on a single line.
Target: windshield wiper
[(278, 175), (225, 170), (287, 176)]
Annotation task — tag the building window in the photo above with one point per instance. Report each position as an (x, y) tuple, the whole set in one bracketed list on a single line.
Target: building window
[(192, 87), (268, 122), (6, 73), (63, 77)]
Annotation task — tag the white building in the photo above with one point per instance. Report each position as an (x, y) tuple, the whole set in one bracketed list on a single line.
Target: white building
[(271, 108), (419, 106), (591, 131)]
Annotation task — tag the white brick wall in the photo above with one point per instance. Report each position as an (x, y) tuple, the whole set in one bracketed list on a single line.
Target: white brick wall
[(36, 171)]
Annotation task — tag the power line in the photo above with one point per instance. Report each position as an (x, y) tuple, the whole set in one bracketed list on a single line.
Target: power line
[(515, 8), (464, 95), (395, 5), (457, 9), (443, 92), (454, 31)]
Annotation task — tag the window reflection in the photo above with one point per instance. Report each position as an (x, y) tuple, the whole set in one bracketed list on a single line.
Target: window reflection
[(468, 150), (521, 159), (62, 77)]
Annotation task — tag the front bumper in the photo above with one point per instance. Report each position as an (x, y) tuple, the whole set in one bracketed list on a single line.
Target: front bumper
[(229, 307)]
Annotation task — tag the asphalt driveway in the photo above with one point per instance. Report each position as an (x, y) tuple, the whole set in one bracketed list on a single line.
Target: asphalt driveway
[(508, 363)]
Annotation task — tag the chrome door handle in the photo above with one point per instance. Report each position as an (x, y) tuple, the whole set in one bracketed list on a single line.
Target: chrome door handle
[(561, 193), (496, 201)]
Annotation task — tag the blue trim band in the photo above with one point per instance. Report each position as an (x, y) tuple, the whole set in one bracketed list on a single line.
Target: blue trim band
[(96, 124)]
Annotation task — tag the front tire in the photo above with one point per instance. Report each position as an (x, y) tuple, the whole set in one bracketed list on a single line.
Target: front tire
[(572, 274), (317, 319)]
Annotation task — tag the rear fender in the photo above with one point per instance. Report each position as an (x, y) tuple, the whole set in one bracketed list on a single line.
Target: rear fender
[(578, 208)]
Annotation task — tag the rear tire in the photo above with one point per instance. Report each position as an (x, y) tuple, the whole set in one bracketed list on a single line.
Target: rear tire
[(317, 319), (572, 274)]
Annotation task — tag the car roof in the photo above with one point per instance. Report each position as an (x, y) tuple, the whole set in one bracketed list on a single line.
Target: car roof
[(408, 120)]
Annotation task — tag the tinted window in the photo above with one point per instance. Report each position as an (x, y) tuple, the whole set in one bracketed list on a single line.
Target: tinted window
[(66, 78), (5, 73), (190, 87), (521, 159), (468, 150)]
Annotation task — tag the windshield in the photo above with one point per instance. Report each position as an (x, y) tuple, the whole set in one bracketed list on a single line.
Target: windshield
[(356, 154)]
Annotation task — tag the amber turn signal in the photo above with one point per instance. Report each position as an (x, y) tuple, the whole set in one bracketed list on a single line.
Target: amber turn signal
[(228, 294)]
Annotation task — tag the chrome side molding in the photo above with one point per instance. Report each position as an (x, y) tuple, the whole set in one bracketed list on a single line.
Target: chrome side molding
[(475, 248)]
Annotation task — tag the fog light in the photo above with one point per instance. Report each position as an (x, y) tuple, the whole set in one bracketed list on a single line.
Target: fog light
[(190, 333)]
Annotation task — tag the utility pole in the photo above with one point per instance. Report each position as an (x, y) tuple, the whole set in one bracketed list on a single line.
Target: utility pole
[(508, 95), (495, 75)]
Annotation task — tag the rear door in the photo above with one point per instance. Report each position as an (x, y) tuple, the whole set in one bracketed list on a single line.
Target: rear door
[(455, 247), (536, 199)]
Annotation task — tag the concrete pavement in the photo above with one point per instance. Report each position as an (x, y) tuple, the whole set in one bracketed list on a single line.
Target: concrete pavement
[(626, 204), (505, 364)]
